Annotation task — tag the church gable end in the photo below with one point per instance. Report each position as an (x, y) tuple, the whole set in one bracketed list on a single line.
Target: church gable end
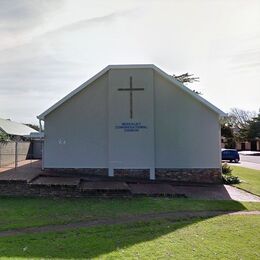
[(134, 121)]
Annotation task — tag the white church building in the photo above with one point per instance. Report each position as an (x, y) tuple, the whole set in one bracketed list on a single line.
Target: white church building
[(134, 121)]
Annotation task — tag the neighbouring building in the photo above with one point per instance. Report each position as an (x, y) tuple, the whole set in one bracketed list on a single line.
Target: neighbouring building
[(24, 142), (134, 121), (253, 145), (16, 130)]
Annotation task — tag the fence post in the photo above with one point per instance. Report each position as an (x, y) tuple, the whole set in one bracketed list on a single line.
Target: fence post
[(16, 155)]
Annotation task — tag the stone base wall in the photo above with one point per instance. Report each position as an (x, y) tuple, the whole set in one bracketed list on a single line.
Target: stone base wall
[(132, 173), (195, 175), (102, 172)]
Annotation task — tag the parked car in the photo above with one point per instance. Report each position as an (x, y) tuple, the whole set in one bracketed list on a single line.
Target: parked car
[(230, 155)]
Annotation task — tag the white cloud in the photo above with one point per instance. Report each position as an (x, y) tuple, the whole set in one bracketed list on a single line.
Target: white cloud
[(49, 48)]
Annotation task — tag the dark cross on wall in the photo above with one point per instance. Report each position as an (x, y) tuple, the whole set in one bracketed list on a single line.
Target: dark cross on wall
[(131, 89)]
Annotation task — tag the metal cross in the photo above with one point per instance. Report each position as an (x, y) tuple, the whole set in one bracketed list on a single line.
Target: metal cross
[(131, 89)]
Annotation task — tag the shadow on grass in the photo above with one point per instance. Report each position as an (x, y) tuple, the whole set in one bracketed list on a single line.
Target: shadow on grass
[(91, 242)]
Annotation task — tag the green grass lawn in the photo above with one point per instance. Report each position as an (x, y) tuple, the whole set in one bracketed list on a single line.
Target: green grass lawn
[(222, 237), (31, 212), (250, 179)]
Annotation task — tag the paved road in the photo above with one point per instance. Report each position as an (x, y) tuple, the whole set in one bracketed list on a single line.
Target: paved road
[(252, 162), (252, 159)]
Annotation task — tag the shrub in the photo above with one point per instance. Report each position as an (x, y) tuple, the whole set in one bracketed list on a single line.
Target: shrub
[(226, 169), (227, 176), (230, 179), (4, 138)]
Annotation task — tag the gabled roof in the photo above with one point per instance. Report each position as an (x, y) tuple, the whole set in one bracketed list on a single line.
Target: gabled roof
[(13, 128), (138, 66)]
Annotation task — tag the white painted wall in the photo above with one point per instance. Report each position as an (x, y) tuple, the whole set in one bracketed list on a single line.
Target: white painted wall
[(131, 149), (76, 132), (187, 132), (181, 132)]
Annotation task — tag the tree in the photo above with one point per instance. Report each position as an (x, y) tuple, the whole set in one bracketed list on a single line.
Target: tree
[(187, 78), (238, 120), (4, 138), (254, 128), (228, 133)]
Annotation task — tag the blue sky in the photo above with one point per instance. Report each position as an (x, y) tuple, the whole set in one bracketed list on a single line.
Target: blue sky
[(50, 47)]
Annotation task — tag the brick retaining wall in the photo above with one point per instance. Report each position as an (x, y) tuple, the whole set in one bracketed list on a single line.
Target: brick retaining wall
[(22, 188), (194, 175)]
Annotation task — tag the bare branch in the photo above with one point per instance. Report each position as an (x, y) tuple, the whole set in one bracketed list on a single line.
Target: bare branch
[(186, 78)]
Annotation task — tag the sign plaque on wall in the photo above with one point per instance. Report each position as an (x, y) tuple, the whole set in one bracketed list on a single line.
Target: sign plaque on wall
[(131, 126)]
